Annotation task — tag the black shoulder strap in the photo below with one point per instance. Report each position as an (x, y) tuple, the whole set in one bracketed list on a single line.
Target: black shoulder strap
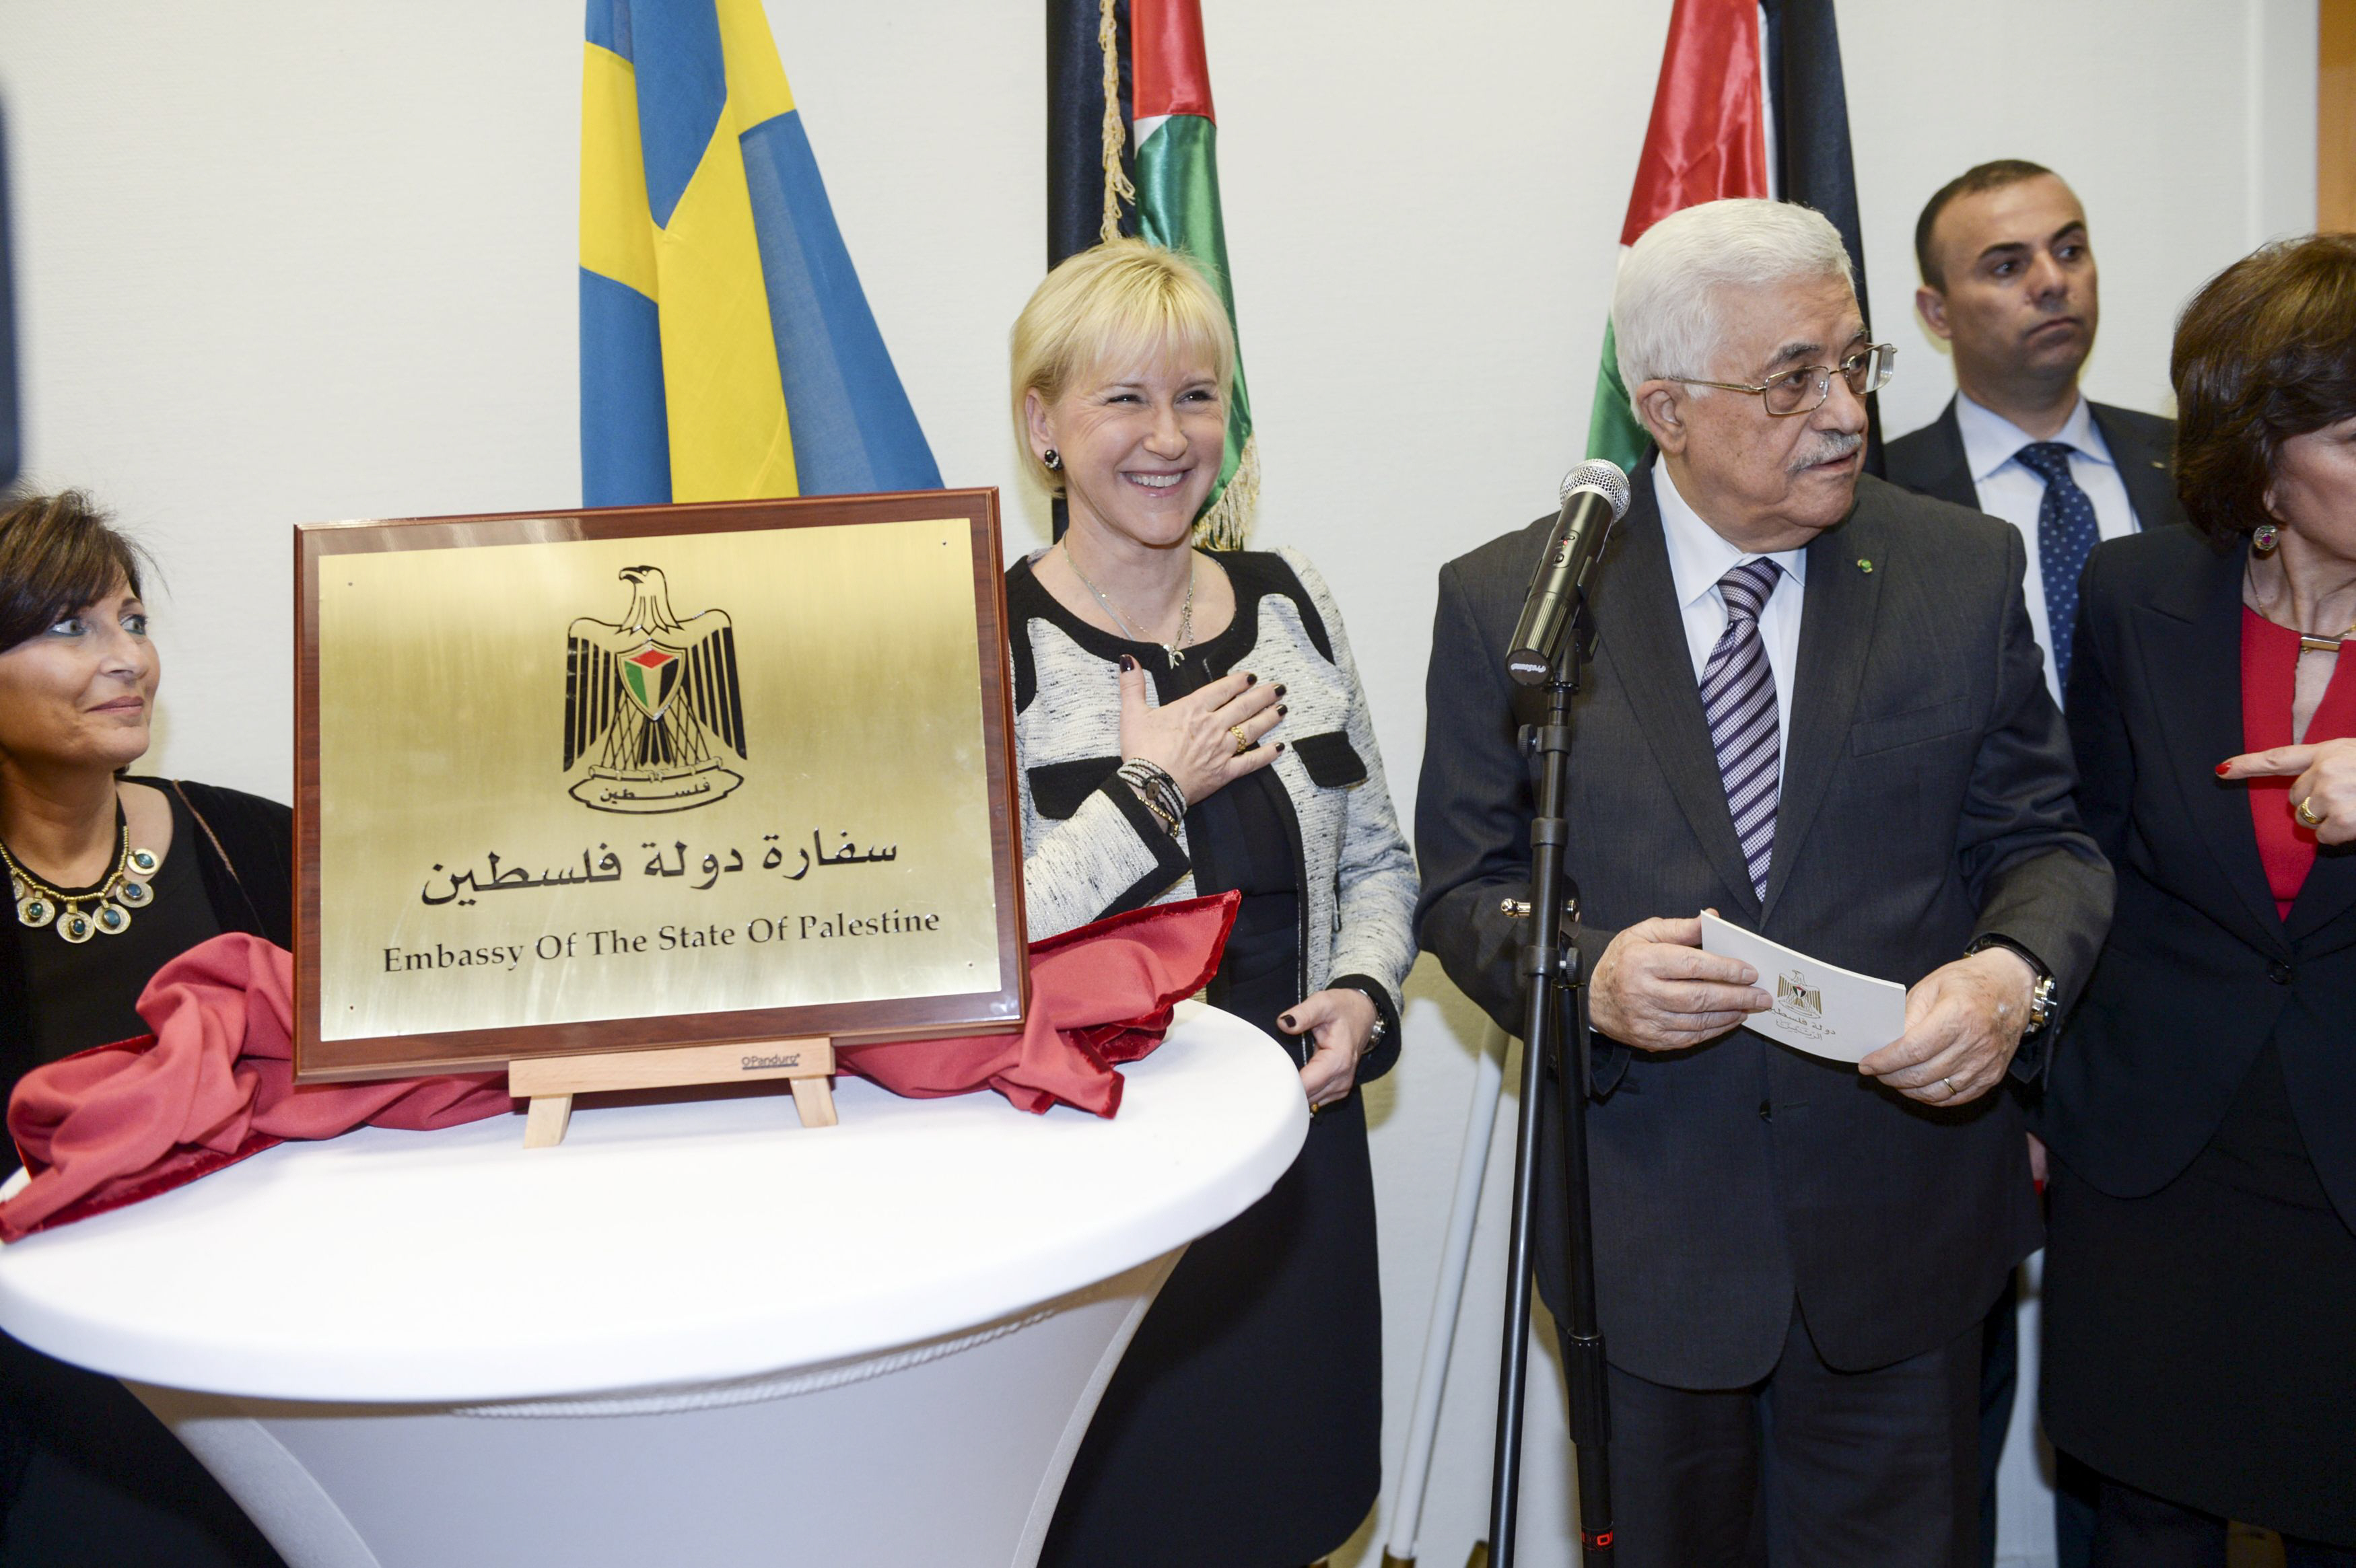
[(222, 855), (1022, 582), (1256, 573), (1026, 670)]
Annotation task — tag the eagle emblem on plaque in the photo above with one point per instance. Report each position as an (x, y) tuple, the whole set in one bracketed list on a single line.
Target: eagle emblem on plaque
[(652, 701)]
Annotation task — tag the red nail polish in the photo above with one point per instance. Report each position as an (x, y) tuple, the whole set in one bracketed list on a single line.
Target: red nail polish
[(2223, 768)]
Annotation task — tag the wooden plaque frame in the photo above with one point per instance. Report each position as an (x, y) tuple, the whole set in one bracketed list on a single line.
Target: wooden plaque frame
[(996, 1009)]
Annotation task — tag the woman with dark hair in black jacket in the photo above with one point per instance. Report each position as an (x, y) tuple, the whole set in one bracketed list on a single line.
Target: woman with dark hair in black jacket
[(111, 877), (2200, 1255)]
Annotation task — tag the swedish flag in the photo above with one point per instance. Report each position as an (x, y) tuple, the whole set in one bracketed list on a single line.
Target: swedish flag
[(727, 351)]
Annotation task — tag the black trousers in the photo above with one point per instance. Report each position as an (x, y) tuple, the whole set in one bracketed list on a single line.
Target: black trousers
[(1810, 1468), (2073, 1484), (1999, 1384), (89, 1478), (2135, 1530)]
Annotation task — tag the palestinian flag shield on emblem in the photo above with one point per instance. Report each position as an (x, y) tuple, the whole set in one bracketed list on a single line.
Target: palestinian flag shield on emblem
[(650, 676)]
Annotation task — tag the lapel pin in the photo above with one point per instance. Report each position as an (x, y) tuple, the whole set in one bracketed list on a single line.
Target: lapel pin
[(1863, 564)]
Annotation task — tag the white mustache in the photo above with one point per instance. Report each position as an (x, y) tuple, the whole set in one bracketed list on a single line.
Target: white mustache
[(1831, 449)]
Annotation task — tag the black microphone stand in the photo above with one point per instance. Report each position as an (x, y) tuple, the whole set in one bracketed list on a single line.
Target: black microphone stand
[(1551, 983)]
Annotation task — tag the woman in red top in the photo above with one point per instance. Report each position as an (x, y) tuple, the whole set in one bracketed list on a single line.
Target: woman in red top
[(2200, 1270)]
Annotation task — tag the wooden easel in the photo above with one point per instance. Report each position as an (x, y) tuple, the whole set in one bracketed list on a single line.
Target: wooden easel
[(550, 1082)]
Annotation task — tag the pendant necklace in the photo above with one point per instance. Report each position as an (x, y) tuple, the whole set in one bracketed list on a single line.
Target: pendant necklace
[(103, 908), (1175, 647), (2308, 642)]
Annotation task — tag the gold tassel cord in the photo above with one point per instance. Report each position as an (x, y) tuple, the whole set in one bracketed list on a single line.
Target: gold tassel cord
[(1228, 525), (1116, 185)]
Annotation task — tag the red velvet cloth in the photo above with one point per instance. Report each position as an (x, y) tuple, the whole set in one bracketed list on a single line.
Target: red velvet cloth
[(1100, 995), (2269, 687), (214, 1083)]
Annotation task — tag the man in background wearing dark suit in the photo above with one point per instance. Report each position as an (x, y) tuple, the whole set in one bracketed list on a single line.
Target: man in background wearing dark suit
[(2009, 282), (1816, 706)]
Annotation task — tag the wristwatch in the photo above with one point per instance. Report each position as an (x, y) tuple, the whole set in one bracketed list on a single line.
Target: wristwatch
[(2040, 995)]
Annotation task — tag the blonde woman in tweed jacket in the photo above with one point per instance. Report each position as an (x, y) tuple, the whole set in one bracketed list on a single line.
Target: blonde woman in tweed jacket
[(1190, 723)]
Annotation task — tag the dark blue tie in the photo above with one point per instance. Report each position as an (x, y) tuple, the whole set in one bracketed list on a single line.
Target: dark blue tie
[(2066, 534)]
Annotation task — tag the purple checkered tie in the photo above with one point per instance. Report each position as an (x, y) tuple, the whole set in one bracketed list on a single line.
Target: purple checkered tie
[(1738, 697)]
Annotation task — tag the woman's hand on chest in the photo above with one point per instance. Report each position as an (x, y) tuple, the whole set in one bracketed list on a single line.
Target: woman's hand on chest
[(1207, 739)]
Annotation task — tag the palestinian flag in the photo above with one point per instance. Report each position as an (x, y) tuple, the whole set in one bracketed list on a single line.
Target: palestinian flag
[(1750, 103), (1132, 148)]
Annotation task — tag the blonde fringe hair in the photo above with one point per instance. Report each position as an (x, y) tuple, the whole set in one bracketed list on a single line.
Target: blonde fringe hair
[(1120, 303)]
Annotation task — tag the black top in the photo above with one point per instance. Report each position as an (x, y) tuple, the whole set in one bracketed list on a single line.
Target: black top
[(1241, 840), (80, 995), (231, 867)]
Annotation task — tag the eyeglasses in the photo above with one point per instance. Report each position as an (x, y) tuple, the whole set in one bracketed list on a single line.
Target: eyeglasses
[(1786, 392)]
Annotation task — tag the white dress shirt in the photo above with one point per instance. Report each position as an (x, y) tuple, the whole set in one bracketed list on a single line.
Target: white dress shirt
[(2014, 493), (1698, 556)]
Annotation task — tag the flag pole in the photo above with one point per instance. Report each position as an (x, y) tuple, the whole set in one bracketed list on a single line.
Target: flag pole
[(1447, 1300)]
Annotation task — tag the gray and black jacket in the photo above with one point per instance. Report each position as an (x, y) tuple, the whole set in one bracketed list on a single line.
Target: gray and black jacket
[(1092, 849)]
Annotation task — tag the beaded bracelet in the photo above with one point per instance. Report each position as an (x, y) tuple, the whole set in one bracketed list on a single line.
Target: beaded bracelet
[(1159, 793), (1158, 790)]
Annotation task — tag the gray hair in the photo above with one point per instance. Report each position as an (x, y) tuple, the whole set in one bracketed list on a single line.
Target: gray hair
[(1666, 305)]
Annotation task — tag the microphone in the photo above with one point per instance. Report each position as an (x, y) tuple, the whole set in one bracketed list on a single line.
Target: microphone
[(1594, 497)]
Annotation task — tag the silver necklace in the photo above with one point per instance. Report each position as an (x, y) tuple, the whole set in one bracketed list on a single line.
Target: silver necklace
[(1185, 615), (2308, 642), (105, 908)]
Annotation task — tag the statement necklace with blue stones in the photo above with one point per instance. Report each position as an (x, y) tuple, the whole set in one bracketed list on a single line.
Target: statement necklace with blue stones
[(103, 908)]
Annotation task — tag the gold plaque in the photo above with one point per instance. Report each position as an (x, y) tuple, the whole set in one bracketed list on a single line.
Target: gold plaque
[(673, 775)]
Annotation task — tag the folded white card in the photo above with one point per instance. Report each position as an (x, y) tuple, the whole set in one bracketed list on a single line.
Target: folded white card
[(1826, 1011)]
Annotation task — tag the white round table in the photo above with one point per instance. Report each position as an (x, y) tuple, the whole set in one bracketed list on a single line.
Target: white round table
[(695, 1333)]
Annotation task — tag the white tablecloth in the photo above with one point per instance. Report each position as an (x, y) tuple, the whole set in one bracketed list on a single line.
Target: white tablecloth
[(696, 1332)]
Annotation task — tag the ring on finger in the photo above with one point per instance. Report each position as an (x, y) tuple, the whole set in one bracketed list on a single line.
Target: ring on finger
[(1243, 742), (2308, 815), (1950, 1083)]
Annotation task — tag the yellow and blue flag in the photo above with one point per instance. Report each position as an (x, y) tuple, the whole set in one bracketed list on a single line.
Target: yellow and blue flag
[(727, 351)]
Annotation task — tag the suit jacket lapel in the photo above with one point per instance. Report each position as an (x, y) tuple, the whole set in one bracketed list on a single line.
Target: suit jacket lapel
[(1954, 481), (2150, 483), (2330, 893), (1835, 636), (1640, 633), (2191, 645)]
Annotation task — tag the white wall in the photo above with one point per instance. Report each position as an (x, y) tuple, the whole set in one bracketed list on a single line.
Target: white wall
[(283, 261)]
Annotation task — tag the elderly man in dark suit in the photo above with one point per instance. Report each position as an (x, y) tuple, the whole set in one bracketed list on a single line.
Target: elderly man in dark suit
[(2010, 282), (1815, 707)]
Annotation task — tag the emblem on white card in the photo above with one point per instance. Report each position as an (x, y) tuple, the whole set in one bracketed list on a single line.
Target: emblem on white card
[(1798, 1000), (1819, 1008)]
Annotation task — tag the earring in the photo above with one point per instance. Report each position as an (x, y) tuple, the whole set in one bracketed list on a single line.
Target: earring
[(2263, 537), (1052, 459)]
